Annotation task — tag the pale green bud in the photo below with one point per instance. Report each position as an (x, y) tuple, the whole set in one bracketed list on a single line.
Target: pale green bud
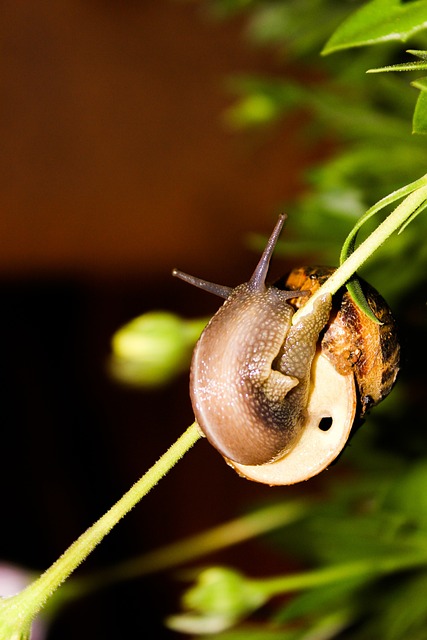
[(219, 599), (153, 348)]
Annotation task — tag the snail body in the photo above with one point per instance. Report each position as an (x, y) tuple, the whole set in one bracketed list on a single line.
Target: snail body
[(250, 372), (261, 387)]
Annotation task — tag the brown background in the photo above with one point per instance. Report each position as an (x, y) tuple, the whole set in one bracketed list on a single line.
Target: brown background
[(113, 156), (115, 167)]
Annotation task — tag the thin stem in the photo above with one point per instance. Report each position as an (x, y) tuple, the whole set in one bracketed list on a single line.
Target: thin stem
[(223, 536), (32, 599), (391, 224), (369, 567), (384, 202)]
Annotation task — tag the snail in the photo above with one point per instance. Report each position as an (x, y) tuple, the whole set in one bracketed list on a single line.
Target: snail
[(278, 400)]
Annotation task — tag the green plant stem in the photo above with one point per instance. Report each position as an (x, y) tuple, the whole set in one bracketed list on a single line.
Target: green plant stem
[(17, 612), (223, 536), (31, 600), (366, 568), (391, 224)]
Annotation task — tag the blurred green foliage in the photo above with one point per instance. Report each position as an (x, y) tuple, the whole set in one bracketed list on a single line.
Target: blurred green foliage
[(365, 119), (363, 539)]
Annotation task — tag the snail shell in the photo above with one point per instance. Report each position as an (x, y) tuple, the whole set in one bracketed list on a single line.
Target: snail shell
[(352, 342), (279, 400)]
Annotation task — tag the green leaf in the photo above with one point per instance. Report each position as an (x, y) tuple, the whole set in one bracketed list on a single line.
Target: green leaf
[(418, 65), (412, 217), (405, 66), (355, 290), (420, 83), (419, 53), (348, 246), (353, 286), (419, 122), (379, 21)]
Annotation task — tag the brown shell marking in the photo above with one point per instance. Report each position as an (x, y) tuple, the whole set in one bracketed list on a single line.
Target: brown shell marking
[(351, 340)]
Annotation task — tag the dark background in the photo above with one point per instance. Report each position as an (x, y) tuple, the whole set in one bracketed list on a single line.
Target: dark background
[(115, 167)]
